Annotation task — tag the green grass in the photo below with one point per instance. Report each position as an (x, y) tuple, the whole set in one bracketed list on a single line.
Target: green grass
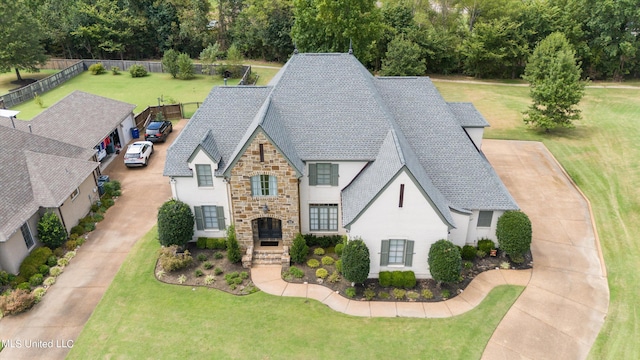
[(602, 154), (8, 77), (139, 91), (139, 316)]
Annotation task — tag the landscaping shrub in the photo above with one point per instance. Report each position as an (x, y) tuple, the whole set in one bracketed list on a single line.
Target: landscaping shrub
[(175, 223), (217, 255), (170, 62), (412, 295), (517, 258), (322, 273), (445, 294), (296, 272), (4, 278), (339, 248), (334, 277), (31, 264), (80, 241), (383, 295), (38, 294), (427, 294), (481, 254), (408, 279), (77, 230), (202, 257), (445, 262), (514, 232), (339, 266), (137, 71), (217, 271), (233, 278), (16, 302), (384, 278), (299, 250), (369, 294), (468, 252), (115, 70), (355, 261), (97, 218), (318, 251), (49, 281), (209, 279), (171, 260), (201, 243), (51, 231), (327, 260), (322, 241), (399, 293), (350, 292), (313, 263), (182, 279), (468, 265), (198, 273), (244, 275), (36, 280), (207, 265), (70, 245), (55, 270), (216, 243), (44, 269), (89, 227), (107, 201), (97, 69), (233, 249), (62, 262), (185, 67), (111, 189), (24, 286), (397, 279), (70, 255), (486, 245)]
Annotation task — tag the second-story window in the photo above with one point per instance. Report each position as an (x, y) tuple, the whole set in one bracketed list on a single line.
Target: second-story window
[(264, 185)]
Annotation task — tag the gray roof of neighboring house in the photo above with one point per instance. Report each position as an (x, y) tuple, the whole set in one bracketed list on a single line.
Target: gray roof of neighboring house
[(81, 119), (328, 107), (467, 114), (36, 172)]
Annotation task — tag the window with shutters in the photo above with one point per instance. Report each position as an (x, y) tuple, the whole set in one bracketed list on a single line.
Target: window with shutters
[(323, 217), (323, 174), (209, 217), (484, 218), (264, 185), (205, 178), (396, 252)]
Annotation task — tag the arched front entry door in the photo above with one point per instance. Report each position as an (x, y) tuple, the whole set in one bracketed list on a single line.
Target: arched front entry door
[(269, 228)]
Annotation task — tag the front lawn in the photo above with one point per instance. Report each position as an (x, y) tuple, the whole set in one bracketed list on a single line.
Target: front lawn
[(140, 316), (602, 155)]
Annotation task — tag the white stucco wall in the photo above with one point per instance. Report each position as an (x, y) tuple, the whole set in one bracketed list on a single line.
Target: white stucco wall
[(186, 190), (326, 194), (458, 235), (124, 130), (476, 135), (417, 220), (73, 210), (14, 250), (476, 233)]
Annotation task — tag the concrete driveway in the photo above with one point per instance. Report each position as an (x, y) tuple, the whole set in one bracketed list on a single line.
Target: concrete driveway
[(63, 312), (561, 312)]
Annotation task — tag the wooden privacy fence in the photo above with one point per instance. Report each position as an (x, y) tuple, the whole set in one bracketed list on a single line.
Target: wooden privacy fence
[(72, 68), (173, 111)]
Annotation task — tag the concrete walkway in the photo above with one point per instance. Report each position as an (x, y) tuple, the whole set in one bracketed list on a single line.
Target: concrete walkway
[(63, 312), (269, 279), (561, 312)]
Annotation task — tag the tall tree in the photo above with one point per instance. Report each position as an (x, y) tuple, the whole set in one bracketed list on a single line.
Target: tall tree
[(403, 58), (330, 26), (20, 36), (555, 85)]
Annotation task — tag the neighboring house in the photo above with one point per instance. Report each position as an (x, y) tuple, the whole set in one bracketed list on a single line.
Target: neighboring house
[(38, 174), (85, 120), (327, 148)]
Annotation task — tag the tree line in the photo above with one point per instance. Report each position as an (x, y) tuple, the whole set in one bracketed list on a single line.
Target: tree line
[(481, 38)]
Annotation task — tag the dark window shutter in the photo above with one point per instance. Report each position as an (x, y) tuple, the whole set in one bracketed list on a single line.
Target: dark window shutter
[(334, 174), (313, 175), (408, 253), (384, 253), (199, 222), (220, 213)]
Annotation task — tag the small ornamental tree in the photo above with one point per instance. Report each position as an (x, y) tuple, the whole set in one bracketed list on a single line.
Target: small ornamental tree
[(445, 262), (514, 232), (355, 261), (170, 62), (175, 223), (233, 249), (51, 231), (299, 249), (185, 67)]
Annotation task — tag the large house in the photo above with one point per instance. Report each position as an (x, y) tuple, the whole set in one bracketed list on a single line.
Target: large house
[(38, 174), (327, 148)]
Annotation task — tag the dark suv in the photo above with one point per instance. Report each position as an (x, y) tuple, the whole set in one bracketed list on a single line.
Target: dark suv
[(158, 131)]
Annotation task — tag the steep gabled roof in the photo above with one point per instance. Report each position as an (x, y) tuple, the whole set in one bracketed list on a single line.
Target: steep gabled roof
[(81, 119), (208, 145), (36, 172)]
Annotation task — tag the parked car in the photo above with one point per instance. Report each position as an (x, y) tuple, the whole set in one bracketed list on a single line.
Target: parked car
[(158, 131), (138, 153)]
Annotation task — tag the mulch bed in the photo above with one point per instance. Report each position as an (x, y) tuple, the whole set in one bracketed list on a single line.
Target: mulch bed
[(468, 274), (190, 278)]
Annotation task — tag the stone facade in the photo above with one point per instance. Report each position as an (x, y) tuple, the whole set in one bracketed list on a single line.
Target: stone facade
[(285, 206)]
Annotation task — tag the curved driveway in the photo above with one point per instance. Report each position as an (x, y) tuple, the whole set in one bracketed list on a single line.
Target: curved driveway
[(63, 312), (560, 313)]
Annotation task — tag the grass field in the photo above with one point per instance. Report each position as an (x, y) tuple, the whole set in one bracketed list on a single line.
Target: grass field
[(8, 77), (602, 155), (139, 316), (139, 91)]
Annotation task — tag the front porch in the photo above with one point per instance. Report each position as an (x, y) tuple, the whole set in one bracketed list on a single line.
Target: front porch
[(268, 247)]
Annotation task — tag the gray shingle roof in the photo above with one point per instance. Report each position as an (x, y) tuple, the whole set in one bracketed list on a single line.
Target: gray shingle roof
[(329, 107), (467, 114), (36, 172), (81, 119)]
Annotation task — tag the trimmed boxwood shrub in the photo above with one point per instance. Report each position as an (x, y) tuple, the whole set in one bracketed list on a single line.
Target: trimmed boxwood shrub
[(514, 232), (322, 241), (175, 223), (322, 273), (216, 243), (339, 248), (318, 251), (313, 263), (397, 279), (51, 231), (36, 280), (327, 260), (384, 278), (31, 264), (356, 261), (299, 250), (486, 245), (468, 252), (201, 243), (445, 262), (409, 279)]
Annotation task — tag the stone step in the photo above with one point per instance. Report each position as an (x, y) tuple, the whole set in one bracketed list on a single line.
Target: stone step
[(267, 257)]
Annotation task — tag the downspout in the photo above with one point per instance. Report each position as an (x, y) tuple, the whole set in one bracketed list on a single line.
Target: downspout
[(229, 202)]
